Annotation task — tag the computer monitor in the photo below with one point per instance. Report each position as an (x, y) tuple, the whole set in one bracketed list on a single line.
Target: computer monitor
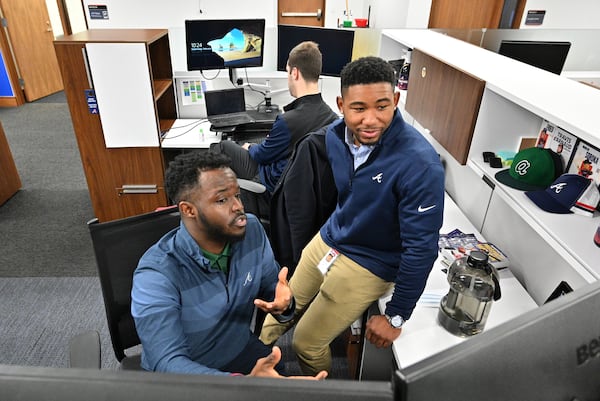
[(547, 55), (551, 353), (224, 43), (27, 383), (335, 44)]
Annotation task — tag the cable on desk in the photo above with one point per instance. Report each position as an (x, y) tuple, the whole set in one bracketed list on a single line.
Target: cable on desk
[(193, 124)]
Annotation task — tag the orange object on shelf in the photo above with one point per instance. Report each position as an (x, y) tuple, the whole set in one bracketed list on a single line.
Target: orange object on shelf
[(361, 22)]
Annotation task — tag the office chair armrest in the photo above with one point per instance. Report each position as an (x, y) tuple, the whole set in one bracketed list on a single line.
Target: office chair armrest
[(252, 186), (84, 350)]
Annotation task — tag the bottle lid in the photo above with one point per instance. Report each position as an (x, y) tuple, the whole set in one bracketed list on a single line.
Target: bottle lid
[(478, 259)]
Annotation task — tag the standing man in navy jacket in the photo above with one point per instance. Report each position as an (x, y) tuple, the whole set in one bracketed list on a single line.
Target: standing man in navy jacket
[(384, 231)]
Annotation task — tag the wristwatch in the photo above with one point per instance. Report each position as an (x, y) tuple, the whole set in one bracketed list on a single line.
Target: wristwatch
[(395, 321)]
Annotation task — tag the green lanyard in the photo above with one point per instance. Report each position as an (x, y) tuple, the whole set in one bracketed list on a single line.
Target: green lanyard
[(218, 260)]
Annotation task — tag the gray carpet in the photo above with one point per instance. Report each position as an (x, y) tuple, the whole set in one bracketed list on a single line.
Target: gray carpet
[(43, 227), (39, 316), (49, 291)]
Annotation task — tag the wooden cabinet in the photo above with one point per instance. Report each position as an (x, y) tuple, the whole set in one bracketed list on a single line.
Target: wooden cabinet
[(118, 83), (445, 101), (10, 182)]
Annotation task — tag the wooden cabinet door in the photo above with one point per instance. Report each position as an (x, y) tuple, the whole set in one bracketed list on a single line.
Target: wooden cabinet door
[(31, 38), (306, 12), (445, 101), (465, 14), (9, 177)]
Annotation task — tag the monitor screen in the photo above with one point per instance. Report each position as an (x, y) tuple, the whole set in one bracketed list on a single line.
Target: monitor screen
[(551, 353), (31, 383), (549, 56), (219, 44), (335, 45)]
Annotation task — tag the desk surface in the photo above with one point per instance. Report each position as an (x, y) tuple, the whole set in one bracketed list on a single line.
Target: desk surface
[(196, 134), (422, 336), (190, 133)]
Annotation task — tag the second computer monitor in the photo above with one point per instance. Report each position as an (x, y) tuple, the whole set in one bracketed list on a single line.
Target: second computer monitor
[(335, 44), (547, 55)]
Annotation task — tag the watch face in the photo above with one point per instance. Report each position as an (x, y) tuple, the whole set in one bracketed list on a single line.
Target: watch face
[(397, 321)]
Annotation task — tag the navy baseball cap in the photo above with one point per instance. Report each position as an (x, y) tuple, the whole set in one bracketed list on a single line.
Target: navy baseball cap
[(569, 193), (532, 169)]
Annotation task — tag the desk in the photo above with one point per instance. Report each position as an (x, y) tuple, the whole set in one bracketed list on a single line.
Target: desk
[(195, 133), (190, 134), (422, 336)]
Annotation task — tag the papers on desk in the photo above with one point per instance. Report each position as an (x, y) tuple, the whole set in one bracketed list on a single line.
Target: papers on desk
[(431, 299), (457, 244)]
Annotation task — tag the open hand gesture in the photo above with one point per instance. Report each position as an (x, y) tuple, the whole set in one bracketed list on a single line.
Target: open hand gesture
[(283, 296)]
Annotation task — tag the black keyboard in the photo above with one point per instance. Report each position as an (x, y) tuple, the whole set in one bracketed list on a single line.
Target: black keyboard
[(250, 138), (231, 120)]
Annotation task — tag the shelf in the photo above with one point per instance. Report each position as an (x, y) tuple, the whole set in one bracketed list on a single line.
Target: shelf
[(165, 124), (570, 234), (161, 86)]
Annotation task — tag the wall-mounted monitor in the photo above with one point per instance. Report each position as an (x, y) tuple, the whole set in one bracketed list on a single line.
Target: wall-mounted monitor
[(224, 43), (547, 55), (335, 44)]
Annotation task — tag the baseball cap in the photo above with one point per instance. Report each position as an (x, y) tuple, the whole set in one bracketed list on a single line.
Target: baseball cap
[(532, 169), (569, 193)]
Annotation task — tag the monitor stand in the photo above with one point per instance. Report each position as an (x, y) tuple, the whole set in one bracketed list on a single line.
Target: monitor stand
[(233, 76), (268, 107)]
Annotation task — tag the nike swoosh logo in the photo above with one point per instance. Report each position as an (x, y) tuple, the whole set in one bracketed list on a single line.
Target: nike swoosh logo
[(422, 209)]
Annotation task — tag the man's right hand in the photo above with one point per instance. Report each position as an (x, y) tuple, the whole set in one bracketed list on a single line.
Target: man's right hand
[(265, 367)]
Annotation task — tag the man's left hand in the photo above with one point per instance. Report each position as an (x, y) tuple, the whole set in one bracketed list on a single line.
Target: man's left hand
[(283, 296), (380, 333), (247, 145)]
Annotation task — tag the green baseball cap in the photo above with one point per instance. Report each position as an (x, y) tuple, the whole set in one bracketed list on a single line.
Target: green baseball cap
[(532, 169)]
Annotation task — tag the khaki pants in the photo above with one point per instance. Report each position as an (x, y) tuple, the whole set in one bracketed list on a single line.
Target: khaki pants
[(325, 305)]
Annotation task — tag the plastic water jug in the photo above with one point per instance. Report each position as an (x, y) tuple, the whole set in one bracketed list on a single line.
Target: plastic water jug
[(474, 287)]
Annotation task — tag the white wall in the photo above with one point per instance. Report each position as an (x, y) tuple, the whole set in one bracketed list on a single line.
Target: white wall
[(383, 14), (54, 15), (572, 14), (76, 16), (167, 14)]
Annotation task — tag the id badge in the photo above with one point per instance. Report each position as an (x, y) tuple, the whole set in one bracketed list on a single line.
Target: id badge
[(328, 260)]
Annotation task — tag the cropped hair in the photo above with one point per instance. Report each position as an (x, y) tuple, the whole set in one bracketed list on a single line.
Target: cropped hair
[(307, 58), (367, 70), (184, 171)]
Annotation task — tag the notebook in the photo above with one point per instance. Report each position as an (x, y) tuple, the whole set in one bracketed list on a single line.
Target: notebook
[(226, 108)]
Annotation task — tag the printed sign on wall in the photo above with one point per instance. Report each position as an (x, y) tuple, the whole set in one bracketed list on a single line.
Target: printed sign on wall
[(535, 17), (98, 11)]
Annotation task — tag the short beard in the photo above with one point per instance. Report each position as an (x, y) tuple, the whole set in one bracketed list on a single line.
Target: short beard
[(216, 233)]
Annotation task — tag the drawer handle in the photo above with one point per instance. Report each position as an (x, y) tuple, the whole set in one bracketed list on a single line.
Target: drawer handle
[(489, 182), (138, 189), (423, 72), (317, 14)]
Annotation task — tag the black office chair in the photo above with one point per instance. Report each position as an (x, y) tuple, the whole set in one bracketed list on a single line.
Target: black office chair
[(118, 246)]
